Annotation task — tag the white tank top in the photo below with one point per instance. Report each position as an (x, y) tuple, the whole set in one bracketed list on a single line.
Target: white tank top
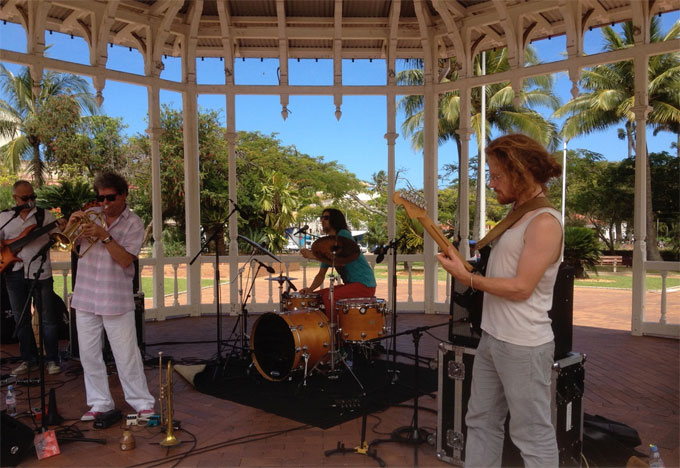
[(524, 323)]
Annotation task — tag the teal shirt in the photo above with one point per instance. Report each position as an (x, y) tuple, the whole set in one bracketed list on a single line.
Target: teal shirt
[(357, 271)]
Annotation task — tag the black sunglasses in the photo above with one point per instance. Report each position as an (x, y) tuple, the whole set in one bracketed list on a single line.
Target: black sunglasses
[(29, 197), (324, 217), (110, 197)]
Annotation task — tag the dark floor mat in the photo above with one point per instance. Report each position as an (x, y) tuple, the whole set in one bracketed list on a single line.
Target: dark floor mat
[(323, 402)]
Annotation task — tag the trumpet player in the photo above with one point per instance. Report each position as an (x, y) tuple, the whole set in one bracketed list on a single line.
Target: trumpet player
[(103, 298)]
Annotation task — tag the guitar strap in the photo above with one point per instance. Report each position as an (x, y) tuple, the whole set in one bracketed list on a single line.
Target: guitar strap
[(512, 218), (39, 216)]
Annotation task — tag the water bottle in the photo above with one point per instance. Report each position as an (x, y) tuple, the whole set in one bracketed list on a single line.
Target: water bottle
[(655, 460), (11, 401)]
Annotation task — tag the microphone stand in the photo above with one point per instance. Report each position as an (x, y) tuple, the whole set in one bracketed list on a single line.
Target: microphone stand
[(393, 245), (42, 254), (218, 306)]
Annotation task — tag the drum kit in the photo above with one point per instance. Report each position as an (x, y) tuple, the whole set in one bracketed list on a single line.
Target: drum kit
[(301, 338)]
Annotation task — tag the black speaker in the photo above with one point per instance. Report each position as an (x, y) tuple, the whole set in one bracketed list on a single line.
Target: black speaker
[(16, 440), (462, 332)]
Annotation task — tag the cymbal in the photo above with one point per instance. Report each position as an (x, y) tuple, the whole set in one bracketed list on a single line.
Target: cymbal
[(281, 278), (346, 250)]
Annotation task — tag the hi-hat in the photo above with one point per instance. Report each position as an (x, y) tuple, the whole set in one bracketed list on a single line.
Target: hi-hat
[(346, 250), (281, 278)]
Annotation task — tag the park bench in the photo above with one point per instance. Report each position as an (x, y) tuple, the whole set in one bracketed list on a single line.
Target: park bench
[(613, 260)]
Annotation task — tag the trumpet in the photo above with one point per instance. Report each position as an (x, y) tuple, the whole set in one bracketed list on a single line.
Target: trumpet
[(66, 240), (166, 394)]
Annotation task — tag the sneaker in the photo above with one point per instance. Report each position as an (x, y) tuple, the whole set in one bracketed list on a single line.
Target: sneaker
[(90, 416), (145, 414), (53, 368), (24, 368)]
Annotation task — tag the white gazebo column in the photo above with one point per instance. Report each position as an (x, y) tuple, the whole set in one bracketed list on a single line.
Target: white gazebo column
[(154, 131), (231, 136), (430, 178), (464, 133), (641, 111), (192, 203), (391, 137)]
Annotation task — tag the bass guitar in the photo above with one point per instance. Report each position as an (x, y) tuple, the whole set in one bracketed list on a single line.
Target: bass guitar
[(11, 247)]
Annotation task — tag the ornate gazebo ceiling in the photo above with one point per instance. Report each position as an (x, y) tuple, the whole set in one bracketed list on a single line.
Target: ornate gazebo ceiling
[(326, 28)]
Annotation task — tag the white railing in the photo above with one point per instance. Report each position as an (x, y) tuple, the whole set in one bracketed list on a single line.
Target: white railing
[(171, 302), (660, 327)]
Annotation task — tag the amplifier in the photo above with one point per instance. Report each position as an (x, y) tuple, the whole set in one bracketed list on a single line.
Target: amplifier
[(461, 332), (454, 382)]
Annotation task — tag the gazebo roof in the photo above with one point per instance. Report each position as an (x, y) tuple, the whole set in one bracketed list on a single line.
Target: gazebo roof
[(324, 28)]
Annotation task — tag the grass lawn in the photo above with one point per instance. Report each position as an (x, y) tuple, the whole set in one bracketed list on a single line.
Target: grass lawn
[(622, 279), (147, 285)]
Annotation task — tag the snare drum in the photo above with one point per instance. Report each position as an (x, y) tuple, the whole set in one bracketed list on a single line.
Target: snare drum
[(361, 318), (300, 301), (281, 343)]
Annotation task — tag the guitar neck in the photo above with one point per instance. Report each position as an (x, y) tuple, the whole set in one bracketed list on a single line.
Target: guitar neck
[(442, 241), (19, 244)]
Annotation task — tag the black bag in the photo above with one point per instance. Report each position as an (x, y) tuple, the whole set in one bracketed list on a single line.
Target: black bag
[(607, 442)]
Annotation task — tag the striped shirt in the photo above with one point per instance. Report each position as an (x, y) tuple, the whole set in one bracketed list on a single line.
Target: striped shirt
[(103, 287)]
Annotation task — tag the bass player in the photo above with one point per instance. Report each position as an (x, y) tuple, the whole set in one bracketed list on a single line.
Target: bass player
[(513, 362), (17, 225)]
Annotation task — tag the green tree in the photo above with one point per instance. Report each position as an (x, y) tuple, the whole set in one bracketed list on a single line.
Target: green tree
[(98, 144), (501, 114), (30, 121), (609, 98)]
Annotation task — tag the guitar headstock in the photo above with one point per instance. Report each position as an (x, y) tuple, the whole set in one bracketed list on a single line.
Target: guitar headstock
[(414, 204)]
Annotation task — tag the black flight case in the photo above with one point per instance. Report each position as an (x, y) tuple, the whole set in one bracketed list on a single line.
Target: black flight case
[(454, 381)]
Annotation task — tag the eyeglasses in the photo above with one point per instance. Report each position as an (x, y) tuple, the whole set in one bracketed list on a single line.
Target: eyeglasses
[(28, 197), (495, 177), (110, 197), (326, 217)]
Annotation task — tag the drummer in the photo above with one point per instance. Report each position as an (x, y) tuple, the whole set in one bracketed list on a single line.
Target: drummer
[(357, 275)]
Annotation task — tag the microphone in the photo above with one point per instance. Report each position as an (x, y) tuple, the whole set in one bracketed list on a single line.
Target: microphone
[(380, 251), (265, 266), (43, 250), (302, 230), (18, 208)]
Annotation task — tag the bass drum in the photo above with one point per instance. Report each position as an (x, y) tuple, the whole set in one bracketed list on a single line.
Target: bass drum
[(289, 341)]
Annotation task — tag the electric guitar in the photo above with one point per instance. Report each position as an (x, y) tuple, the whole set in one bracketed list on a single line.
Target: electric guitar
[(415, 209), (11, 247)]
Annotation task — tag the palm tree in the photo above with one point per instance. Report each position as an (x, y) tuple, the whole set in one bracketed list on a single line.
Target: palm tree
[(19, 112), (501, 112), (610, 98)]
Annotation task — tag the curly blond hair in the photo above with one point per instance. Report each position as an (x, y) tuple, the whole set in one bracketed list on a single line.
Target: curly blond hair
[(524, 160)]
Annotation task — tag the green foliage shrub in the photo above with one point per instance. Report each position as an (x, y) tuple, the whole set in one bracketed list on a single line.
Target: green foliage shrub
[(581, 249)]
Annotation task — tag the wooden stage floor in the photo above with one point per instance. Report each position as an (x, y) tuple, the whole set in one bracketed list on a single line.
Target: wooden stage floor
[(629, 379)]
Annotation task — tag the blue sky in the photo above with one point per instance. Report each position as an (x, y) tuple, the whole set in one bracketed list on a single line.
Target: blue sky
[(356, 141)]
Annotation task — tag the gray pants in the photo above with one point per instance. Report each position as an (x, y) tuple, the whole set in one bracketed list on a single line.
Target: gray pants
[(516, 378)]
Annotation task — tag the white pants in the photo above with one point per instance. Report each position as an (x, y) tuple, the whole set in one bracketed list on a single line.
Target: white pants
[(121, 332), (516, 378)]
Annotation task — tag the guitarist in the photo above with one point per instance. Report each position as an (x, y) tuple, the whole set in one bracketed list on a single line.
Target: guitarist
[(20, 275), (512, 366)]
